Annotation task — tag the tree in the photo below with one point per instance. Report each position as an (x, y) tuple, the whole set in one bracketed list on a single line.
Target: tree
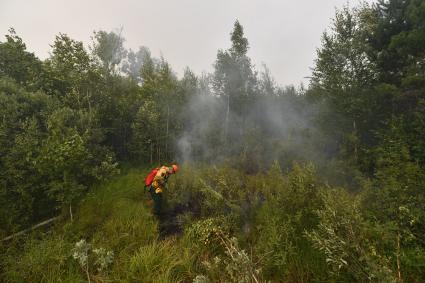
[(17, 63), (342, 63), (267, 84), (69, 69), (109, 49), (70, 159), (390, 20), (394, 200), (133, 65), (144, 128), (233, 77), (22, 125)]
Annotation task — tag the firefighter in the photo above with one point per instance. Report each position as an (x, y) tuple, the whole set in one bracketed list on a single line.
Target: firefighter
[(159, 178)]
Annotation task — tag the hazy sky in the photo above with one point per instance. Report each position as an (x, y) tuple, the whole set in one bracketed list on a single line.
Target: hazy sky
[(282, 34)]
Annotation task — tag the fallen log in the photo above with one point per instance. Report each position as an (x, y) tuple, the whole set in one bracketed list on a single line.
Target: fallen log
[(44, 223)]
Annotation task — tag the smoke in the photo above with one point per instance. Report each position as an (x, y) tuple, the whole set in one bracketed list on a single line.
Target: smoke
[(256, 131), (202, 138)]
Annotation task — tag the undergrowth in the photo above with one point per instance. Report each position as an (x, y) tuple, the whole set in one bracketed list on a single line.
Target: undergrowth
[(233, 227)]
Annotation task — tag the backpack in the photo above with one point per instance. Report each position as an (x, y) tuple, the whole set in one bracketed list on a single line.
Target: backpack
[(149, 178)]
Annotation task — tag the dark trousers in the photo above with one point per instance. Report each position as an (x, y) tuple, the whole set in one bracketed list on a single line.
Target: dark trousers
[(157, 201)]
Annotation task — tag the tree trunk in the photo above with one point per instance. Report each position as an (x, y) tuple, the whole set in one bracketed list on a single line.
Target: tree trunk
[(355, 140), (226, 124), (166, 132), (70, 212), (158, 152), (90, 111), (151, 152), (400, 279)]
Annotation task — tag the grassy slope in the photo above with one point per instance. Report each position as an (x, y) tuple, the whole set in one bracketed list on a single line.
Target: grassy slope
[(115, 216)]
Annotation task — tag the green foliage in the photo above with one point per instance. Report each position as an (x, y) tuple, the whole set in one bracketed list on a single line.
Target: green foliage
[(17, 63), (50, 153), (394, 199), (235, 262), (113, 218), (300, 229), (69, 69), (108, 47), (104, 258), (135, 60), (280, 223), (209, 232), (66, 121), (342, 62), (21, 135), (160, 262), (343, 236), (144, 130), (44, 260)]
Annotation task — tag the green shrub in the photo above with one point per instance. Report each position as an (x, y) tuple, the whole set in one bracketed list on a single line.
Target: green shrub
[(344, 238), (289, 210)]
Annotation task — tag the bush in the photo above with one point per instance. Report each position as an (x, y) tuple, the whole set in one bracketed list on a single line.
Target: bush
[(344, 238), (289, 210)]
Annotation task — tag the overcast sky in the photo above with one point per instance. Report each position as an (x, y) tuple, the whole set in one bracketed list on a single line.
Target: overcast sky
[(282, 34)]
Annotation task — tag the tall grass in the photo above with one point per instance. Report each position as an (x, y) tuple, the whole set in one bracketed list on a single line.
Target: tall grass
[(162, 261), (114, 216), (44, 260)]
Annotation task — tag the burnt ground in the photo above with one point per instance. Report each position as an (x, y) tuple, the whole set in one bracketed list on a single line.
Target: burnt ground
[(170, 222)]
